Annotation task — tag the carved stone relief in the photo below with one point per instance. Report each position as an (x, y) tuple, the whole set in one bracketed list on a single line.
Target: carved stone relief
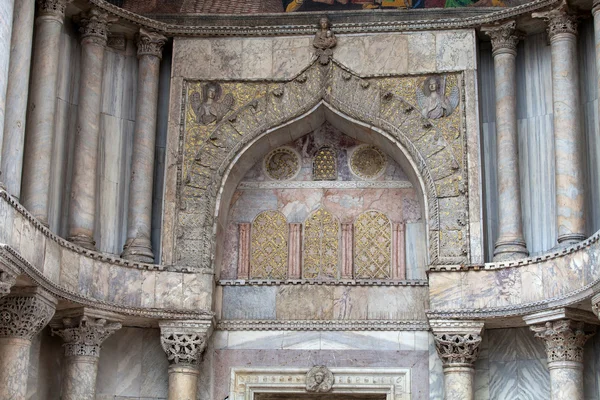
[(282, 164), (324, 41), (269, 246), (325, 165), (319, 379), (564, 339), (83, 336), (209, 107), (372, 246), (321, 246), (367, 162), (433, 100)]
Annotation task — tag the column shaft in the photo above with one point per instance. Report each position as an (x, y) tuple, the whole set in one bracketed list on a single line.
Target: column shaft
[(596, 13), (13, 142), (566, 380), (183, 382), (14, 366), (295, 252), (138, 246), (243, 271), (35, 188), (458, 383), (6, 22), (79, 378)]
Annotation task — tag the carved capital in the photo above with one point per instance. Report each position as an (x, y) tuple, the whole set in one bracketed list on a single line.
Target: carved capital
[(184, 341), (150, 43), (564, 339), (94, 26), (457, 349), (25, 312), (8, 277), (504, 37), (53, 8), (559, 20), (83, 334)]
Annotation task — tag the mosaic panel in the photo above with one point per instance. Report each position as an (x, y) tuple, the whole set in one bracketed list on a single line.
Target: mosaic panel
[(325, 165), (269, 246), (367, 162), (372, 246), (282, 164), (321, 246)]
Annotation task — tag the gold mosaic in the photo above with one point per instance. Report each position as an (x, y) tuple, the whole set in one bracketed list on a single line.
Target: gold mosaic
[(269, 246), (321, 246), (367, 162), (282, 163), (325, 165), (372, 246)]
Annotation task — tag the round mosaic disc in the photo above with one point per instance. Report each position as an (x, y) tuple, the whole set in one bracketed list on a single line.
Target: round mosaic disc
[(282, 163), (367, 162)]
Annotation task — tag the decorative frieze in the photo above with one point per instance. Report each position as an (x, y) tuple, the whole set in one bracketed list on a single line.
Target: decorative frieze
[(150, 43), (505, 37), (84, 335), (184, 341), (25, 312), (564, 339)]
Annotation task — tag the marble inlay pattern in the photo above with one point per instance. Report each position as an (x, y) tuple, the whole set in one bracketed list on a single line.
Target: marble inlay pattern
[(372, 246), (269, 246)]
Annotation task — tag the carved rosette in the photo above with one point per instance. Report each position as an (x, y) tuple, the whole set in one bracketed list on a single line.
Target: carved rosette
[(457, 349), (53, 8), (559, 21), (564, 339), (94, 26), (184, 341), (150, 43), (505, 37), (25, 312), (83, 336)]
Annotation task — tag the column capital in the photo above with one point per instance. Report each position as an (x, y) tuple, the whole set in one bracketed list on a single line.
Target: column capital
[(559, 20), (457, 342), (94, 26), (564, 339), (53, 8), (8, 277), (84, 330), (25, 312), (505, 37), (150, 43), (185, 341)]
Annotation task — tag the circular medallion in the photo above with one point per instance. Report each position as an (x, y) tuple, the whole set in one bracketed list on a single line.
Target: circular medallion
[(282, 164), (367, 162)]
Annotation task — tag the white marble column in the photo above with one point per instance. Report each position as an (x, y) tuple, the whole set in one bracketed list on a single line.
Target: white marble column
[(82, 208), (568, 133), (24, 313), (6, 22), (510, 244), (184, 342), (457, 343), (138, 246), (35, 187), (83, 332), (564, 333), (13, 141)]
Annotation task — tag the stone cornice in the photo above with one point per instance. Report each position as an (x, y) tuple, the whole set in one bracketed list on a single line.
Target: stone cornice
[(325, 325), (291, 282)]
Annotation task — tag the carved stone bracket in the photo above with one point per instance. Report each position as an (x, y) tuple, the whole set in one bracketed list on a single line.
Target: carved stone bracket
[(53, 8), (457, 342), (8, 277), (504, 37), (25, 312), (94, 26), (184, 341), (84, 330), (150, 43), (559, 20)]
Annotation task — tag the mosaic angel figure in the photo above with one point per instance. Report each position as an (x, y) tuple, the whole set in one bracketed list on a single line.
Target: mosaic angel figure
[(432, 98), (210, 107)]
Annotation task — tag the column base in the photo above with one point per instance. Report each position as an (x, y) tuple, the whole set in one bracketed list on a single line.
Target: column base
[(138, 250), (509, 250), (83, 241), (570, 238)]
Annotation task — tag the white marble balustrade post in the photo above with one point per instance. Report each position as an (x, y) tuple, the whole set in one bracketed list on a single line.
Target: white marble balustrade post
[(457, 343), (138, 246), (82, 208), (510, 244), (83, 332), (568, 132), (35, 187), (25, 312), (6, 22), (13, 141), (564, 333), (184, 342)]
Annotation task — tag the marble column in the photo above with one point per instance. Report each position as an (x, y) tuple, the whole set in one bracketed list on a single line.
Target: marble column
[(184, 342), (457, 343), (82, 208), (510, 244), (596, 14), (23, 314), (243, 271), (568, 133), (83, 332), (6, 22), (35, 187), (347, 250), (399, 251), (13, 141), (138, 246), (295, 251)]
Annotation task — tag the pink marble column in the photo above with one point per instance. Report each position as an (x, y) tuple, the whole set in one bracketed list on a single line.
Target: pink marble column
[(138, 246), (13, 142), (399, 251), (568, 133), (243, 271), (82, 208), (35, 187), (510, 244), (295, 251), (347, 251)]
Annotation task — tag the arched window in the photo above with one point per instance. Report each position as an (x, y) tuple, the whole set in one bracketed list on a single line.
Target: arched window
[(372, 246), (269, 246), (325, 165), (320, 254)]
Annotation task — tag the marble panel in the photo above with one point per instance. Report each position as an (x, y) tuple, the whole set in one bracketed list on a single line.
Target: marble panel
[(226, 59), (350, 303), (255, 340), (249, 302), (304, 302), (455, 50), (191, 58), (528, 347), (100, 280), (197, 291), (397, 303), (148, 288), (421, 52), (169, 290), (436, 372), (69, 270), (257, 58), (445, 290), (504, 380), (416, 251), (392, 341), (301, 340), (125, 286), (7, 215), (86, 276), (52, 261), (154, 376), (481, 384), (45, 367), (533, 379), (129, 364), (502, 344), (291, 55)]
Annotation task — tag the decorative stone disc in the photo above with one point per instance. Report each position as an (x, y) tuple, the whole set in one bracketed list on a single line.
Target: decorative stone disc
[(367, 162), (282, 164)]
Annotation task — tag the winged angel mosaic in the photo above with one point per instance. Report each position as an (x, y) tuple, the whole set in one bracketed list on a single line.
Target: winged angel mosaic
[(210, 107), (432, 98)]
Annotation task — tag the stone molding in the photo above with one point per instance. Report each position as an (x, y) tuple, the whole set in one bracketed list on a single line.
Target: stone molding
[(252, 185), (25, 312), (325, 325), (184, 341), (341, 282), (8, 277), (559, 20), (505, 37), (564, 339), (150, 43), (83, 334), (53, 8), (94, 26)]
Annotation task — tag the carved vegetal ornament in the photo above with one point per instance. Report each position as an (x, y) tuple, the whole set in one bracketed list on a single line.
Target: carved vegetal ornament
[(324, 41), (23, 315), (505, 37), (83, 336), (564, 339), (457, 349), (559, 20), (150, 43), (319, 379), (95, 26)]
